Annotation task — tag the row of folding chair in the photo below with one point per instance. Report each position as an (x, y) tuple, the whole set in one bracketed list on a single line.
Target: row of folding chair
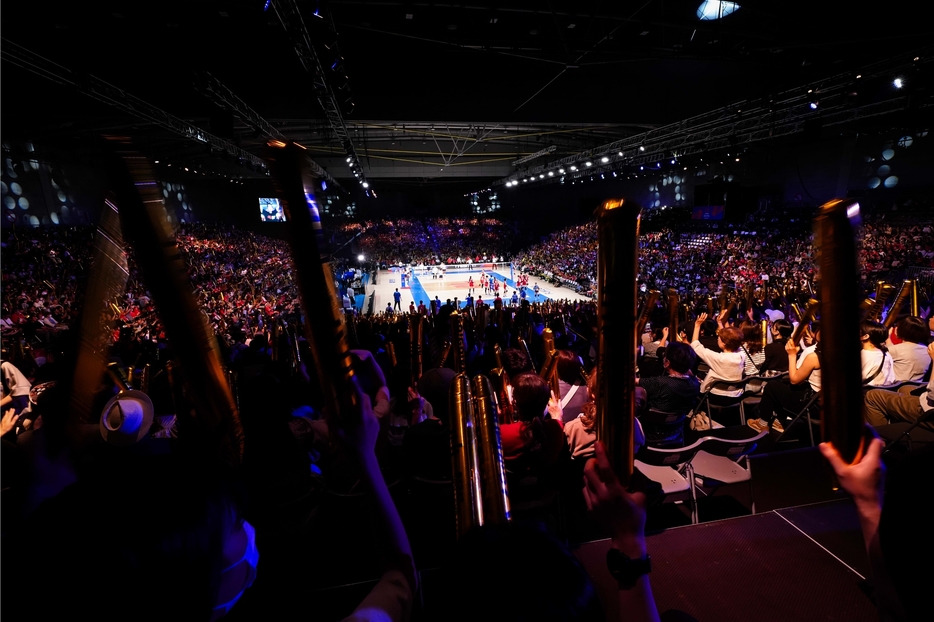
[(717, 458)]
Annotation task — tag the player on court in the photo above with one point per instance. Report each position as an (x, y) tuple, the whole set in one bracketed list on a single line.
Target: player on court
[(470, 285), (535, 289)]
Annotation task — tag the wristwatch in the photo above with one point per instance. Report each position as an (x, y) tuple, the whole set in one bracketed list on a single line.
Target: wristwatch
[(626, 570)]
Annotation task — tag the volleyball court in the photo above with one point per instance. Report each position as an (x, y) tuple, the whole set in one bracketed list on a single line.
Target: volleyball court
[(424, 283)]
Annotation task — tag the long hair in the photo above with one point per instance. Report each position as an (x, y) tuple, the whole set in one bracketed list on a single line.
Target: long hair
[(876, 332), (752, 336), (589, 414)]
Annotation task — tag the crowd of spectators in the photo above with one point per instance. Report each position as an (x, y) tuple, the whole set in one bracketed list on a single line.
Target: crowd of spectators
[(295, 465), (433, 241), (775, 254)]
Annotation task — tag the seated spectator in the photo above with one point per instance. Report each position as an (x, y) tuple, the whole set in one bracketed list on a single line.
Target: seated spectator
[(677, 390), (793, 392), (658, 340), (15, 389), (878, 368), (580, 429), (533, 445), (570, 380), (909, 356), (776, 359), (752, 347), (883, 407), (727, 365)]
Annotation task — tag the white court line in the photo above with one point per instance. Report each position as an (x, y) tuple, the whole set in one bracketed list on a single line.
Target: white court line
[(821, 546)]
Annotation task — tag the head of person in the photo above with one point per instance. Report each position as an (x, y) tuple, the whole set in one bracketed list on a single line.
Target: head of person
[(679, 357), (873, 333), (569, 366), (752, 335), (782, 329), (433, 386), (730, 338), (709, 327), (516, 361), (530, 394), (913, 329), (177, 518)]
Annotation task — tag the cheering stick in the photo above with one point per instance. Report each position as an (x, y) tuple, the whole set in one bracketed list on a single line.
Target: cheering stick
[(841, 374)]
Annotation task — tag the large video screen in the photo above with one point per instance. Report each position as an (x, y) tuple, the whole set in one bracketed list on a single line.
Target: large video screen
[(270, 210), (707, 212)]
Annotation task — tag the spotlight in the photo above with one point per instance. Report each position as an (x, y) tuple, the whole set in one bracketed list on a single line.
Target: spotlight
[(361, 258), (366, 185), (551, 173), (641, 148), (561, 171), (588, 163), (604, 159), (641, 168), (814, 105), (349, 158), (573, 168), (620, 154), (897, 83), (672, 161), (541, 176), (524, 180)]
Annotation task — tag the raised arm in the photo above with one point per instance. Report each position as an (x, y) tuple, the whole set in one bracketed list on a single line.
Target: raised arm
[(697, 325), (797, 375), (623, 514), (391, 599)]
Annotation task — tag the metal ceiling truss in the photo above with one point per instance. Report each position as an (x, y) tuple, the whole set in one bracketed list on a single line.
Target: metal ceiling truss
[(734, 126), (109, 94), (223, 96), (294, 25)]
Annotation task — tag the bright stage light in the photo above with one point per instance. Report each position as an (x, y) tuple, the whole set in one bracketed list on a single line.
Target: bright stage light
[(349, 159), (541, 176), (813, 105), (573, 168), (551, 173), (361, 258), (366, 185), (641, 148), (604, 159), (588, 163), (561, 171), (897, 83)]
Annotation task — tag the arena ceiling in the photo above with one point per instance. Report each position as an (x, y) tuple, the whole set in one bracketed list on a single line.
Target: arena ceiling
[(427, 90)]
